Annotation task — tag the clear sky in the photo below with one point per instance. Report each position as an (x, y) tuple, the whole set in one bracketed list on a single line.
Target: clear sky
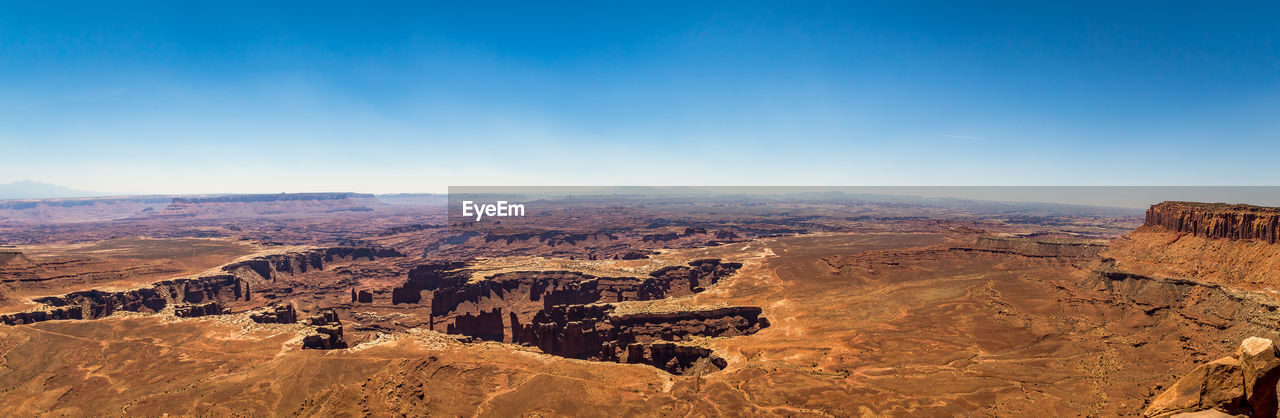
[(170, 97)]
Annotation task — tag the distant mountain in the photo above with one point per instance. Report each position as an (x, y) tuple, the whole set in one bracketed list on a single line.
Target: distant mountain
[(27, 189)]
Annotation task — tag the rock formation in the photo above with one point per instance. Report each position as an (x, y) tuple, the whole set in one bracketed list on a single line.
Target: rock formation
[(39, 316), (524, 293), (268, 267), (1240, 385), (12, 257), (94, 304), (325, 317), (1039, 247), (1226, 244), (222, 288), (429, 277), (275, 314), (566, 313), (1261, 367), (486, 325), (634, 255), (594, 332), (549, 238), (726, 235), (198, 310), (671, 236), (327, 334), (362, 296), (1217, 220), (328, 337)]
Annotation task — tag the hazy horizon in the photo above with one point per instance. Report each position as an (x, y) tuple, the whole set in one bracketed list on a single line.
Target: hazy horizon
[(1125, 197)]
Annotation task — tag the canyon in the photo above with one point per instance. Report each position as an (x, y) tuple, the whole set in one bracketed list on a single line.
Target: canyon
[(650, 307), (235, 283), (567, 313)]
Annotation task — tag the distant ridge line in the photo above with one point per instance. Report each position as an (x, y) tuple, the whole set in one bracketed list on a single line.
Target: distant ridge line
[(278, 197)]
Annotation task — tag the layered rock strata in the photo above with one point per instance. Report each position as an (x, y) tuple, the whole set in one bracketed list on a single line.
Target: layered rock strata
[(1217, 220), (460, 305), (198, 310), (275, 314), (550, 238), (268, 267), (569, 313), (233, 285), (1039, 247), (39, 316), (593, 332), (94, 304)]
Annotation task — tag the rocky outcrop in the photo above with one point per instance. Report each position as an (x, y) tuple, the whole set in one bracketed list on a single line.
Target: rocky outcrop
[(593, 332), (726, 235), (268, 267), (362, 296), (95, 304), (408, 228), (328, 337), (1240, 385), (1206, 309), (429, 277), (1212, 304), (568, 314), (486, 325), (549, 238), (1039, 247), (1260, 362), (234, 285), (12, 257), (325, 317), (671, 357), (39, 316), (671, 236), (327, 334), (275, 314), (634, 255), (702, 273), (198, 310), (527, 292), (1217, 220), (679, 325)]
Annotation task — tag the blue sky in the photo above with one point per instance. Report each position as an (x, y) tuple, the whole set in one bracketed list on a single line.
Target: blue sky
[(153, 97)]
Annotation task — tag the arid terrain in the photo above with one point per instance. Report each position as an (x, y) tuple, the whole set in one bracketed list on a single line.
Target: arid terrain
[(346, 304)]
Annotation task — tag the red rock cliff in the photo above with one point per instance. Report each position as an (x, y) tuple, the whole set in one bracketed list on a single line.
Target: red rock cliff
[(1217, 220)]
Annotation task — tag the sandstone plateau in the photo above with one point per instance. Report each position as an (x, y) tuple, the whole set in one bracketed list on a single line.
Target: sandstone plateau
[(1217, 220), (309, 304)]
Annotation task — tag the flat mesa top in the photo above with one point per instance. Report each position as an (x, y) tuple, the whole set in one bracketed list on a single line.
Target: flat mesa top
[(1217, 207)]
